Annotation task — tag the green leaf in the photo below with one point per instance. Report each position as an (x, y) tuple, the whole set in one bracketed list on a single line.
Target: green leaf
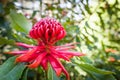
[(7, 66), (6, 41), (101, 77), (86, 59), (96, 74), (50, 73), (33, 14), (104, 77), (90, 68), (87, 9), (1, 9), (22, 38), (19, 22), (25, 74), (11, 71), (55, 77), (101, 20)]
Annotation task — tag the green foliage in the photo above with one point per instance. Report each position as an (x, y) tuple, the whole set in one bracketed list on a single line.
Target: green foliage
[(96, 74), (25, 74), (51, 74), (23, 38), (6, 41), (90, 68), (11, 71), (19, 22)]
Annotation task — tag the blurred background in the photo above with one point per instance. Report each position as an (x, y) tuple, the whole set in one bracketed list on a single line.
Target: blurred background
[(94, 24)]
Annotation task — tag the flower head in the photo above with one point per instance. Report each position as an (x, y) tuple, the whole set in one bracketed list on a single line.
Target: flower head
[(47, 32)]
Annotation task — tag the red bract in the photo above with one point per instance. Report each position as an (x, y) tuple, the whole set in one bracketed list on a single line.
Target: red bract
[(47, 32)]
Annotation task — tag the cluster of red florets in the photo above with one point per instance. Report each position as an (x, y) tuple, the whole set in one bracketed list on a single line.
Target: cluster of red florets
[(48, 31)]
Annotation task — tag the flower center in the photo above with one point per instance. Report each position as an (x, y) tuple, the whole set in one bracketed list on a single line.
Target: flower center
[(47, 49)]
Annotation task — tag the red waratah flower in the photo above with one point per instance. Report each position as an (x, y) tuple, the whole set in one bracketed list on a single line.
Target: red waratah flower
[(47, 32)]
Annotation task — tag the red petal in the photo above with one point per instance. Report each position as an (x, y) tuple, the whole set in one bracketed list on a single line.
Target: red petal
[(69, 56), (57, 30), (39, 33), (33, 34), (37, 60), (62, 56), (16, 52), (71, 53), (60, 65), (24, 45), (61, 35), (22, 58), (68, 44), (46, 34), (41, 28), (25, 57), (44, 63), (55, 66), (64, 47), (33, 56), (53, 32)]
